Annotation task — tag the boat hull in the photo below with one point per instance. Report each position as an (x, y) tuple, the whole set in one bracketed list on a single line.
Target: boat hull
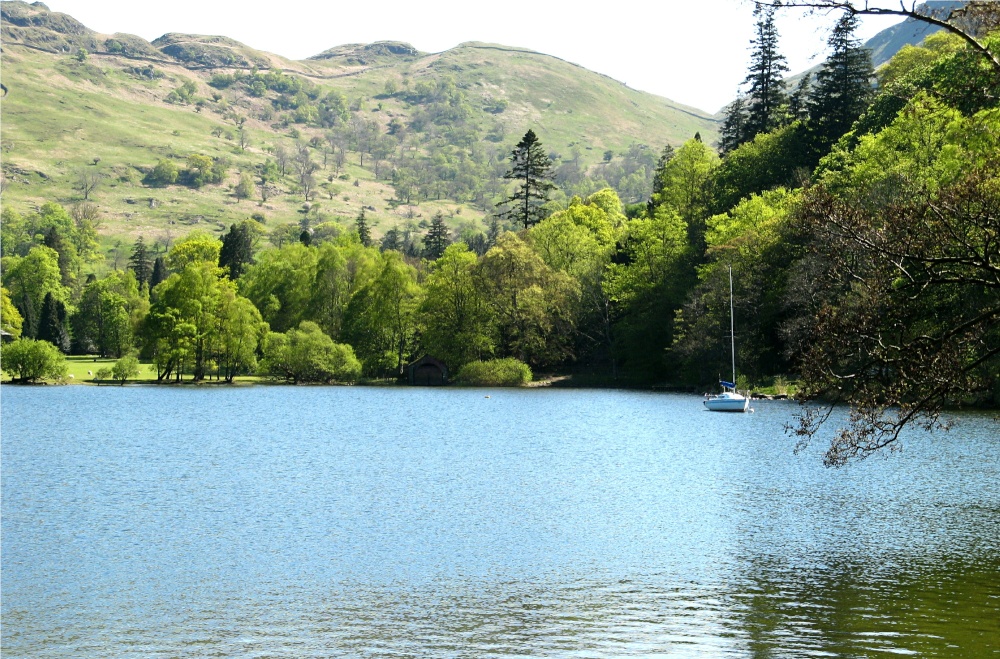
[(727, 403)]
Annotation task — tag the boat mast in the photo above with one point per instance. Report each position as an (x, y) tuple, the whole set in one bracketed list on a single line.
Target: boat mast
[(732, 329)]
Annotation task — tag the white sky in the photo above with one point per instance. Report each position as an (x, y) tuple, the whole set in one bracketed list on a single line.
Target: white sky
[(692, 51)]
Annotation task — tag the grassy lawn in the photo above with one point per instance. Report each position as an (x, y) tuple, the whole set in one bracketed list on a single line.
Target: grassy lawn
[(84, 369)]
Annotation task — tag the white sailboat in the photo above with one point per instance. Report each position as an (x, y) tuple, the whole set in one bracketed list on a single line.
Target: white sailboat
[(729, 400)]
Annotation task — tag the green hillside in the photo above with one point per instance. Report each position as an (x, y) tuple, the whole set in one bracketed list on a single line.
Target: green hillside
[(80, 103)]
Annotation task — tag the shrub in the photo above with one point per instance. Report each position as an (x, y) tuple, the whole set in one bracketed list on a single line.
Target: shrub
[(165, 173), (28, 360), (306, 354), (126, 368), (495, 373), (222, 80)]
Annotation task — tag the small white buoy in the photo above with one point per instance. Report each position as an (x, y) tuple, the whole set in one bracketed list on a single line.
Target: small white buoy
[(485, 396)]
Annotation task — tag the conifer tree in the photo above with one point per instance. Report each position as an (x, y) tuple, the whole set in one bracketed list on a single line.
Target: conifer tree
[(29, 326), (390, 241), (436, 239), (766, 98), (364, 233), (665, 157), (658, 175), (532, 170), (159, 272), (493, 232), (237, 250), (843, 87), (734, 126), (798, 102), (140, 263), (52, 327)]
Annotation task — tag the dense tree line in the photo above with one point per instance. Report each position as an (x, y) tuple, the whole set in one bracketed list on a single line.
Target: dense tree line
[(862, 228)]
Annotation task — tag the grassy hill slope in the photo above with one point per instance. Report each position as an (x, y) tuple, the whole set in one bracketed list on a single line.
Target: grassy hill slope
[(79, 100)]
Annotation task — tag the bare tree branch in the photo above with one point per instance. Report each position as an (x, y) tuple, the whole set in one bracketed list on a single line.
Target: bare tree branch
[(907, 10)]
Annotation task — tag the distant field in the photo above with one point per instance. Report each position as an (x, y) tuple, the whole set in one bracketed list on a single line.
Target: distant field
[(83, 370)]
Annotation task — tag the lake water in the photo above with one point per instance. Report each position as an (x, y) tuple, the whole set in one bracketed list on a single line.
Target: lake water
[(396, 522)]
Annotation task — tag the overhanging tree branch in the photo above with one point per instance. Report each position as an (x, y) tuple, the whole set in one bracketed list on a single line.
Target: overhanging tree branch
[(865, 9)]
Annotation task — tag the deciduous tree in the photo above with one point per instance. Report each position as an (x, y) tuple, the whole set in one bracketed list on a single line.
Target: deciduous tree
[(29, 360), (10, 319), (684, 188), (108, 311), (126, 368), (379, 321), (900, 301), (455, 322), (281, 284), (88, 179), (911, 321), (29, 279), (181, 324), (306, 354), (532, 304), (196, 247)]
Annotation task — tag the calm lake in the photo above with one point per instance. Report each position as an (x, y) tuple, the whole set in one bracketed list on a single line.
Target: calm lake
[(396, 522)]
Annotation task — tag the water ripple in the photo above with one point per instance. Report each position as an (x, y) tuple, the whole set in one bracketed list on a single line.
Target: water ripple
[(316, 522)]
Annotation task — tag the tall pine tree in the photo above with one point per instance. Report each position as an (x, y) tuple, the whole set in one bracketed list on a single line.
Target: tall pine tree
[(493, 232), (658, 176), (436, 239), (159, 272), (29, 326), (532, 170), (364, 233), (766, 97), (843, 88), (798, 102), (140, 262), (52, 327), (237, 250), (734, 126), (391, 241)]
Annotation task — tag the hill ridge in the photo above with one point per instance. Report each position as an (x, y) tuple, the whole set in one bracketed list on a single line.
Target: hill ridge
[(404, 136)]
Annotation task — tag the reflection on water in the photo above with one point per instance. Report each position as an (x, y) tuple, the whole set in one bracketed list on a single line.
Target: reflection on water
[(305, 522)]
